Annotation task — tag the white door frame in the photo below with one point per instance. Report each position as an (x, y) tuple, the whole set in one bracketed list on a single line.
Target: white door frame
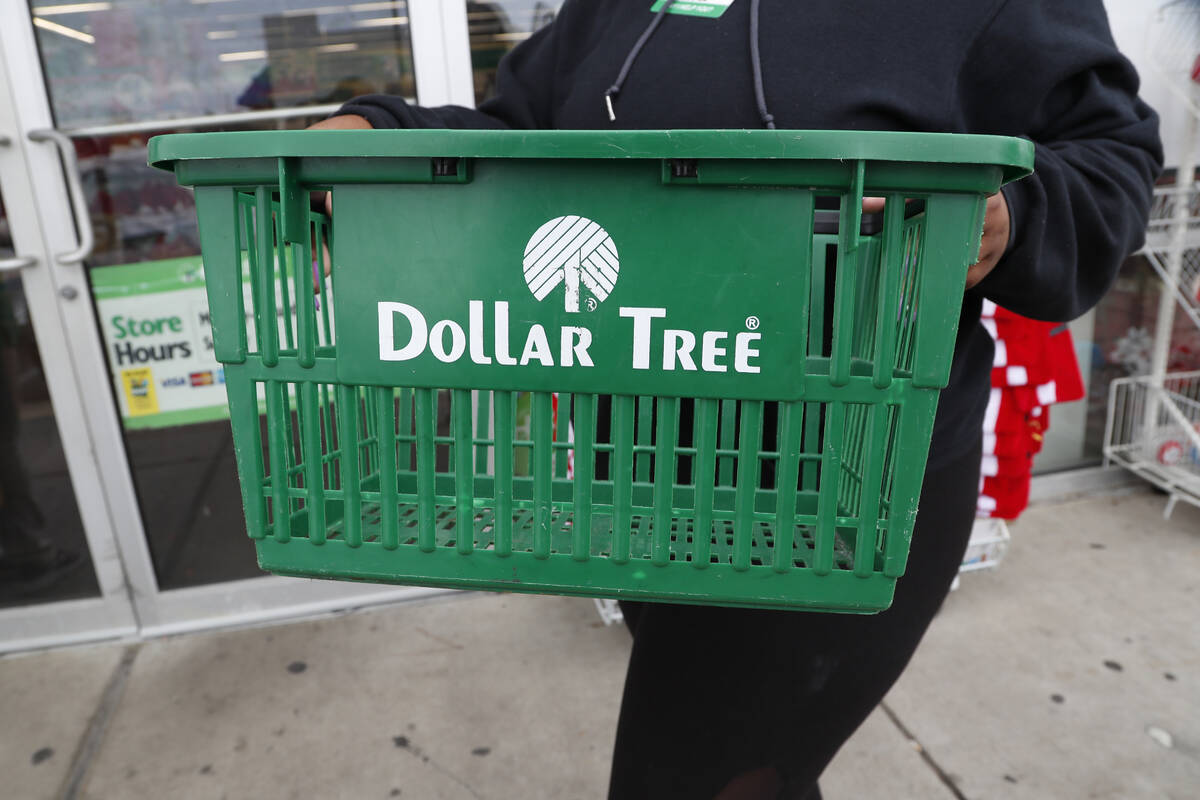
[(132, 602)]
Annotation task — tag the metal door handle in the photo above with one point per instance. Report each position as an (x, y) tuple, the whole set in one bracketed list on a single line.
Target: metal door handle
[(14, 264), (66, 151), (20, 262)]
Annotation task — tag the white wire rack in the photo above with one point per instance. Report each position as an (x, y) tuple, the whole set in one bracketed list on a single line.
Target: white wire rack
[(988, 544), (1173, 39), (985, 550), (1153, 430), (1183, 281)]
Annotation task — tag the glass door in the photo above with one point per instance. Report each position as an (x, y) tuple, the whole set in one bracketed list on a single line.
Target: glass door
[(93, 82), (60, 576)]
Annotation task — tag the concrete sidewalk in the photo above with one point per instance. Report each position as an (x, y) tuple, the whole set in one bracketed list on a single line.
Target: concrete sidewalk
[(1073, 671)]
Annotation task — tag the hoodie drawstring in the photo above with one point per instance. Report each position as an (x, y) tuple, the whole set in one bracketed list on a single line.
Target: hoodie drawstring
[(768, 120), (634, 52), (755, 64)]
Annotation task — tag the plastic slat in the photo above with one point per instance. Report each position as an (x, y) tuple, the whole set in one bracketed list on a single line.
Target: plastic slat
[(370, 457), (250, 244), (622, 475), (542, 431), (385, 447), (791, 428), (320, 228), (852, 458), (277, 447), (314, 480), (664, 478), (266, 328), (306, 302), (464, 472), (912, 448), (281, 253), (750, 436), (891, 261), (805, 261), (703, 469), (913, 268), (585, 459), (447, 448), (889, 459), (868, 511), (810, 471), (328, 427), (846, 280), (222, 239), (827, 510), (944, 214), (426, 403), (406, 428), (503, 416), (243, 414), (347, 423)]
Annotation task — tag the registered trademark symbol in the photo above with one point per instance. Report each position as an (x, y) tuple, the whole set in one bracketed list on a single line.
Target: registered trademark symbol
[(751, 323), (591, 304)]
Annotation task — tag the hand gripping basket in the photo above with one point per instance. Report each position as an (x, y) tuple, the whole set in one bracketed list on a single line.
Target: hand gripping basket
[(658, 365)]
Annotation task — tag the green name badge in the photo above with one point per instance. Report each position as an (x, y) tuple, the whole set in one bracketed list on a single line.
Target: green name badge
[(695, 8)]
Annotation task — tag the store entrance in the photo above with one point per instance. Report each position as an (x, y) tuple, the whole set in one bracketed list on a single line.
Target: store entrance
[(118, 490), (129, 447)]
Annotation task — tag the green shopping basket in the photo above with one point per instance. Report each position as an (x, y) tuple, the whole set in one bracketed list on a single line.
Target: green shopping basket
[(658, 365)]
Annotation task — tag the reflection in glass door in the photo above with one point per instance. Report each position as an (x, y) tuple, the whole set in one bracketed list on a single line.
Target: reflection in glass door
[(43, 552)]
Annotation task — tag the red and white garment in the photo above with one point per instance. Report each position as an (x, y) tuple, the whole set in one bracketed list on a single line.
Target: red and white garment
[(1034, 367)]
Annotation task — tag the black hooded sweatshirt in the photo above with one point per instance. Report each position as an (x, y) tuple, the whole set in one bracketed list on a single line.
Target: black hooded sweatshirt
[(1047, 70)]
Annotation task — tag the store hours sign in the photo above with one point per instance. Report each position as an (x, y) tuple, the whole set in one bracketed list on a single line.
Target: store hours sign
[(158, 341)]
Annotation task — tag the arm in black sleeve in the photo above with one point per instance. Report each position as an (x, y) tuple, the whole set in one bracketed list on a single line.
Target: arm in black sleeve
[(1050, 71), (524, 86)]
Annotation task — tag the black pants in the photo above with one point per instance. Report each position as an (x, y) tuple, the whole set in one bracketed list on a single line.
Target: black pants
[(765, 698)]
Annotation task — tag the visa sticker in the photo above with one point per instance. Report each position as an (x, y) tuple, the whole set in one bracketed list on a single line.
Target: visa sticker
[(695, 8)]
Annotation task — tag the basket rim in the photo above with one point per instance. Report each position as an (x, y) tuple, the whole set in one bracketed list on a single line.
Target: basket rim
[(1014, 156)]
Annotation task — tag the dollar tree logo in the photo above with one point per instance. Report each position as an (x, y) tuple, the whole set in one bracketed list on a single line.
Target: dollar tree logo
[(575, 252)]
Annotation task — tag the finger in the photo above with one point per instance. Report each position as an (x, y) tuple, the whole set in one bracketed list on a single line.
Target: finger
[(329, 204), (873, 205)]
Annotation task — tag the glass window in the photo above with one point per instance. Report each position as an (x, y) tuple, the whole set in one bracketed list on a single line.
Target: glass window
[(496, 28), (137, 60)]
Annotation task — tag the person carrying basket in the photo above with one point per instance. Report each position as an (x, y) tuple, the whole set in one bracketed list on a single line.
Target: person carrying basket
[(736, 703)]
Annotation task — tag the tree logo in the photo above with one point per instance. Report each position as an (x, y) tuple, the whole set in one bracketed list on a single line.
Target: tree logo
[(573, 251)]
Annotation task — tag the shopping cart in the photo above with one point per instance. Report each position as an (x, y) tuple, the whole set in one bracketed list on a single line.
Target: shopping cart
[(748, 367)]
